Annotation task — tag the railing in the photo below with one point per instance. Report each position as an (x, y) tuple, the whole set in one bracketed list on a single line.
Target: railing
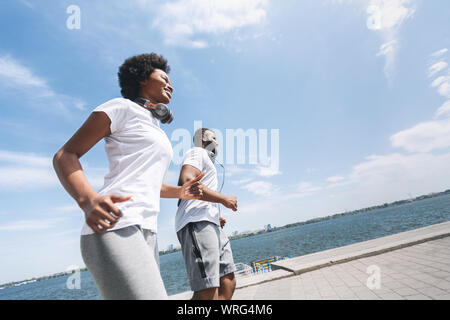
[(263, 266), (257, 267), (243, 269)]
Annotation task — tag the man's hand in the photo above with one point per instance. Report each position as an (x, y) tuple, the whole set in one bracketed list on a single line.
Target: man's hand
[(192, 189), (101, 213), (222, 222), (230, 202)]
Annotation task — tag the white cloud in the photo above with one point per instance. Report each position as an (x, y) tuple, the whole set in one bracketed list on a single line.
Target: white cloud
[(391, 177), (261, 188), (385, 178), (267, 171), (24, 159), (439, 53), (260, 206), (305, 187), (234, 170), (68, 208), (19, 171), (241, 181), (31, 225), (438, 81), (27, 3), (17, 77), (17, 74), (424, 137), (26, 178), (386, 17), (24, 170), (251, 172), (341, 183), (182, 22), (437, 67), (442, 84), (444, 110), (334, 179), (377, 179), (387, 49)]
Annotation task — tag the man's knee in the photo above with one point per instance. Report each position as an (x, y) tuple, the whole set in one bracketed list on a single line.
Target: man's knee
[(227, 286), (206, 294), (230, 279)]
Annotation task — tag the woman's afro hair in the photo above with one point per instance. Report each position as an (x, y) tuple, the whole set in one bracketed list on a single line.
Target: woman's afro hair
[(136, 69)]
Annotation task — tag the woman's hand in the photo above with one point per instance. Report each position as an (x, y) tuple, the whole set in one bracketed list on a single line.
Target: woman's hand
[(101, 213), (192, 189), (222, 222)]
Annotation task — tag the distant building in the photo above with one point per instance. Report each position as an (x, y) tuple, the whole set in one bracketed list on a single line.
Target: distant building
[(235, 233), (170, 247)]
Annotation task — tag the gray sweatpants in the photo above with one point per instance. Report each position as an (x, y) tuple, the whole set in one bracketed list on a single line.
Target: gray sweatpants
[(124, 264)]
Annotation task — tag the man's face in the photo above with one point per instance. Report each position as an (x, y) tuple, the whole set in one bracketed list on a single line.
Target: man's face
[(209, 141)]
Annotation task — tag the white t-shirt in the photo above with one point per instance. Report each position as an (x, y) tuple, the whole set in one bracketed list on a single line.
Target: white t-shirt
[(139, 154), (197, 210)]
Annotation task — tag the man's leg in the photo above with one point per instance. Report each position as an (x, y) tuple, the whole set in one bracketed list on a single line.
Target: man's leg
[(206, 294), (227, 286), (227, 268), (200, 246)]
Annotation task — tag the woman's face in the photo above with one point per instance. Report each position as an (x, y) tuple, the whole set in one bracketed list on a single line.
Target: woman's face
[(157, 87)]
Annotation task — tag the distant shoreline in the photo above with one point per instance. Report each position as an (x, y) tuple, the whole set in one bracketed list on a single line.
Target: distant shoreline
[(334, 216), (245, 235), (56, 275)]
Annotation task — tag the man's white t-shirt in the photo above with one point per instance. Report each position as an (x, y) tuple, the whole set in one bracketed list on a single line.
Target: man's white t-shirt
[(139, 154), (197, 210)]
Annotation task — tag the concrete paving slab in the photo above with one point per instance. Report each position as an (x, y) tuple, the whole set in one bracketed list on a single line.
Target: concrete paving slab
[(341, 273), (360, 250)]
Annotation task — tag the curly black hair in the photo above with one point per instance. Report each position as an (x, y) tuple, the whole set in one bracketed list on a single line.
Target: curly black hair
[(136, 69)]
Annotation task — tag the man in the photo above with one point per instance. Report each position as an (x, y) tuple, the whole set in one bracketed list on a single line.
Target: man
[(206, 249)]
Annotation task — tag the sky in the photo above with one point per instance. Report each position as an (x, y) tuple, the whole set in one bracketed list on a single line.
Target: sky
[(347, 103)]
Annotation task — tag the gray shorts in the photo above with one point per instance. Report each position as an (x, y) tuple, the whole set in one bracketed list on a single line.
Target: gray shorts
[(124, 264), (207, 254)]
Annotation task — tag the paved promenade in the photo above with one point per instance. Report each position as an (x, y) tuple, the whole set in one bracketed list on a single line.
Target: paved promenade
[(409, 265)]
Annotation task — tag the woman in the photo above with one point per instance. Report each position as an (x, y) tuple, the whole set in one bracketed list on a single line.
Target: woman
[(118, 239)]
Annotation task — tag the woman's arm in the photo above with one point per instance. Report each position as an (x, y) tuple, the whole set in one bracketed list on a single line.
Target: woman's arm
[(68, 168), (192, 189)]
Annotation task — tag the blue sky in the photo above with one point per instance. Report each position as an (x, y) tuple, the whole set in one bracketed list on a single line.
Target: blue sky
[(359, 92)]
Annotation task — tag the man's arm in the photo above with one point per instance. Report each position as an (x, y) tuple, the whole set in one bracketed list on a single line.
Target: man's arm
[(189, 173)]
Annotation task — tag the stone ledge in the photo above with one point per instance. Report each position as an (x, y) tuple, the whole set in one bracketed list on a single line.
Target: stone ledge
[(317, 260)]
